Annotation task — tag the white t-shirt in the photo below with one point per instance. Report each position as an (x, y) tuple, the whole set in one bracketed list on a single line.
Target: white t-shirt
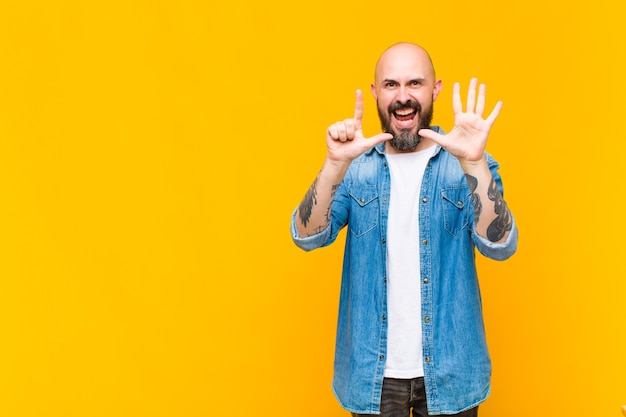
[(404, 321)]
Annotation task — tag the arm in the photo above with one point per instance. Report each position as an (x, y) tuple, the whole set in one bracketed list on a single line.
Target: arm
[(492, 217), (345, 142), (467, 141), (313, 214)]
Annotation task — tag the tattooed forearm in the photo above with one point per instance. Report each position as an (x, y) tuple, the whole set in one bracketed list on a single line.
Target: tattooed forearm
[(503, 221), (478, 205), (306, 206), (315, 223)]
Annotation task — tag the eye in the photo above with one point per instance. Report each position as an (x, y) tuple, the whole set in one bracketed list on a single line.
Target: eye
[(416, 82), (389, 84)]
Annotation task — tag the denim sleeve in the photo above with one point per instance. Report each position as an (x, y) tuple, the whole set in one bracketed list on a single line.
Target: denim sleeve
[(308, 243), (497, 251)]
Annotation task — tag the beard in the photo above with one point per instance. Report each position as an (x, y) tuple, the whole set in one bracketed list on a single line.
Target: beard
[(405, 140)]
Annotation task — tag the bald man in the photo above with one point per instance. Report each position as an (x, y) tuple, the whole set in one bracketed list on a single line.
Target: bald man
[(417, 203)]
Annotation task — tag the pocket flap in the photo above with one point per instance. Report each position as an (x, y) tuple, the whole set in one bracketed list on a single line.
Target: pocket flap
[(455, 196), (363, 195)]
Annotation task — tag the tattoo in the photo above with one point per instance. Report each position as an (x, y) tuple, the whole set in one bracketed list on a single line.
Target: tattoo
[(327, 216), (306, 207), (478, 205), (310, 200), (317, 230), (503, 221)]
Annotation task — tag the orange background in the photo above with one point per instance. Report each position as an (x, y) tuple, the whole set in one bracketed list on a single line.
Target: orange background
[(151, 153)]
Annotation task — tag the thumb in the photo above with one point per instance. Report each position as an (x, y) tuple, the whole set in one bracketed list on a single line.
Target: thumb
[(381, 137), (432, 135)]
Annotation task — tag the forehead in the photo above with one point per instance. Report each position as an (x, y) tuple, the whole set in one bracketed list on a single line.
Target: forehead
[(404, 62)]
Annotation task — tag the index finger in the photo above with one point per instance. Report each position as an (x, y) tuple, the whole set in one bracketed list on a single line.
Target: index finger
[(358, 110)]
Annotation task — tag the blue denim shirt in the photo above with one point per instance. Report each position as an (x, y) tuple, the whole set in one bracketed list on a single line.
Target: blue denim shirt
[(457, 367)]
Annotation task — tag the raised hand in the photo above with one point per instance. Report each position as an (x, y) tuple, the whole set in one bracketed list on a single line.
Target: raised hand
[(345, 140), (468, 138)]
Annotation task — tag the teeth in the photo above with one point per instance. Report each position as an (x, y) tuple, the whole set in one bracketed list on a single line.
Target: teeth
[(404, 112)]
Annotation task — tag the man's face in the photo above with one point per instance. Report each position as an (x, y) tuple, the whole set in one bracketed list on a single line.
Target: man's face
[(405, 90), (403, 120)]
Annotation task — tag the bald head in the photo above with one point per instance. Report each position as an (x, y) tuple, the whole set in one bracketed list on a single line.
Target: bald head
[(401, 55), (405, 88)]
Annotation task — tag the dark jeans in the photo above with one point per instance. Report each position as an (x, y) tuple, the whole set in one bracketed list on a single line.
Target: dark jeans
[(400, 396)]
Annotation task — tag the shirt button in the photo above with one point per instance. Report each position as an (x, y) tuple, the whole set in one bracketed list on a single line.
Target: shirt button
[(460, 203), (381, 357), (427, 359), (425, 280), (384, 317), (424, 200), (424, 242), (427, 320), (362, 200), (385, 199), (384, 240)]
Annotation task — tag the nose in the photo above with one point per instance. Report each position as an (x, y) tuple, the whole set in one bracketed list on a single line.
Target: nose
[(403, 95)]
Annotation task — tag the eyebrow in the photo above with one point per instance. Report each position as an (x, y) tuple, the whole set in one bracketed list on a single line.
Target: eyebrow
[(419, 79)]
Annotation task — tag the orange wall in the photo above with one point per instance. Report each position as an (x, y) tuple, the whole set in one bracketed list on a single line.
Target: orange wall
[(151, 153)]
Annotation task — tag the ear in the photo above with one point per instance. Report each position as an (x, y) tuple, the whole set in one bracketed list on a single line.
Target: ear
[(373, 89), (437, 89)]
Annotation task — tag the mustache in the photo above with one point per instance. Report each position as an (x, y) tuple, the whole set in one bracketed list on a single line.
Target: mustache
[(407, 104)]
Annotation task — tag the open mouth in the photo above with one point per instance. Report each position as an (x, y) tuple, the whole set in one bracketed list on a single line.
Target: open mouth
[(405, 114)]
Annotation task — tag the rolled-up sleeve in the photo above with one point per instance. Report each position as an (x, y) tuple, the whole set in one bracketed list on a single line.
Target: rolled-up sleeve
[(498, 251), (308, 243)]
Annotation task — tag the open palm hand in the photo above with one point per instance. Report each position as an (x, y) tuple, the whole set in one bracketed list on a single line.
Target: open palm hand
[(468, 138)]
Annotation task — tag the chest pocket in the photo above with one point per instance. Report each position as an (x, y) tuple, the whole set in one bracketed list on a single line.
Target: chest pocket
[(363, 209), (456, 208)]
